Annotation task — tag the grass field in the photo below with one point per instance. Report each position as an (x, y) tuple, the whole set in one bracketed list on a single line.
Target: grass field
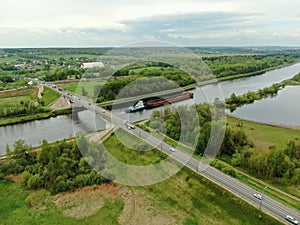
[(15, 98), (23, 207), (12, 101), (21, 92), (49, 95), (263, 136), (129, 155)]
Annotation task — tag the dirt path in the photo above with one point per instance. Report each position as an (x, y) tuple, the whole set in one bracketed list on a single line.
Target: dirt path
[(40, 90)]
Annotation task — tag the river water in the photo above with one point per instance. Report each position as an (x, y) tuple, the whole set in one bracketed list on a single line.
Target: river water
[(279, 110), (52, 129), (224, 89)]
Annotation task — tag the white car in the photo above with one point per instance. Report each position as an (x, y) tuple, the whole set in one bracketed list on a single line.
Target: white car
[(172, 149), (292, 220), (259, 196)]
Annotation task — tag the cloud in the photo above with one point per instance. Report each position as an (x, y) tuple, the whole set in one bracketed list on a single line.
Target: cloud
[(193, 28)]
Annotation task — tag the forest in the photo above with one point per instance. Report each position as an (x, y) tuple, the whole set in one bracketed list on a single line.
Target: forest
[(233, 65), (57, 167)]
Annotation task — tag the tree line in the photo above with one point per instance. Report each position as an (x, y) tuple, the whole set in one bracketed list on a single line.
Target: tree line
[(131, 86), (22, 108), (62, 74), (235, 101), (280, 164), (169, 122), (56, 167), (229, 65)]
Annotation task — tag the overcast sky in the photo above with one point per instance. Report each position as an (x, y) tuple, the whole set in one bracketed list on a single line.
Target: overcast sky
[(88, 23)]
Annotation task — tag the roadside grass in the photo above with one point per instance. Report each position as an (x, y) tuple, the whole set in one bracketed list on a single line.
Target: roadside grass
[(128, 155), (49, 95), (188, 196), (269, 191), (247, 179)]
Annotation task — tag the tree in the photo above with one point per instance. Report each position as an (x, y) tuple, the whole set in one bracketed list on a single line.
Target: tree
[(84, 92), (7, 150), (25, 178)]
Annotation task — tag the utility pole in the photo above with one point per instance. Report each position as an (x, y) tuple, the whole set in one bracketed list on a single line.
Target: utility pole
[(262, 197)]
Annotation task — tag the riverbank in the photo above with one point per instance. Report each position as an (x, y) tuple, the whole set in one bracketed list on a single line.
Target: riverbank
[(27, 118), (263, 124), (234, 101), (256, 73)]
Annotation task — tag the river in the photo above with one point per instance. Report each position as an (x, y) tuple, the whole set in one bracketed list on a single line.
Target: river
[(224, 89), (52, 129), (61, 127), (280, 110)]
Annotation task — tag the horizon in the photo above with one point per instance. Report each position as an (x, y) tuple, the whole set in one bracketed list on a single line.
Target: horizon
[(192, 46)]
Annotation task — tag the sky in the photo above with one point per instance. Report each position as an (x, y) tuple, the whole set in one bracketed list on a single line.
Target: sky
[(99, 23)]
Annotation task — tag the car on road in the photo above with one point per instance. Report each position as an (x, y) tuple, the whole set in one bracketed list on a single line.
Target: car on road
[(292, 220), (258, 196), (172, 149)]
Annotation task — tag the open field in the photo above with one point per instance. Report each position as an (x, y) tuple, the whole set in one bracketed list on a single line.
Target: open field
[(12, 101), (263, 136), (20, 92), (185, 198)]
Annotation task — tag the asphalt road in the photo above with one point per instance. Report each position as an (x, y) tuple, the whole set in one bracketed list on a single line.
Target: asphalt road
[(267, 204)]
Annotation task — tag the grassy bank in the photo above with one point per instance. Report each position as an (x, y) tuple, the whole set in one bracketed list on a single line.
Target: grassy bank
[(265, 136), (49, 95), (28, 118)]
